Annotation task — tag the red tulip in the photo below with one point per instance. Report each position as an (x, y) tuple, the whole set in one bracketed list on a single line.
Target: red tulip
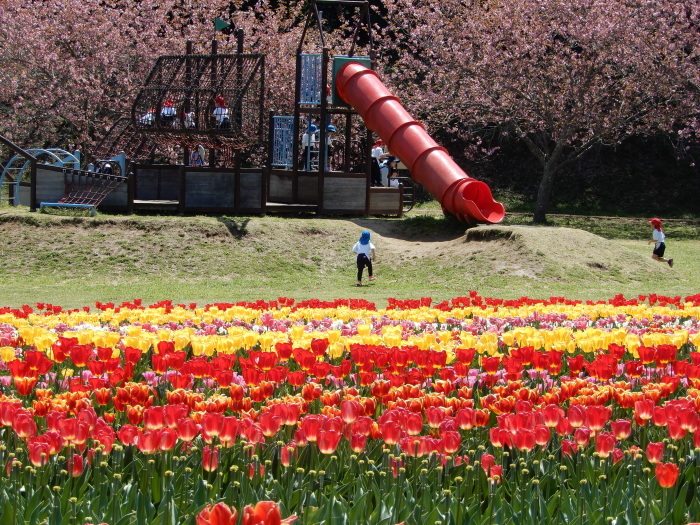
[(350, 410), (358, 442), (167, 439), (597, 416), (552, 415), (568, 447), (210, 459), (24, 425), (675, 430), (230, 431), (617, 455), (80, 354), (154, 418), (542, 435), (563, 427), (434, 416), (38, 453), (328, 441), (655, 452), (73, 431), (451, 441), (582, 436), (576, 416), (413, 424), (466, 418), (218, 514), (644, 409), (212, 423), (75, 465), (147, 442), (604, 444), (646, 354), (391, 432), (270, 424), (487, 461), (128, 434), (264, 513), (311, 425), (666, 474), (496, 474), (286, 454), (621, 428), (24, 385), (490, 364), (524, 440)]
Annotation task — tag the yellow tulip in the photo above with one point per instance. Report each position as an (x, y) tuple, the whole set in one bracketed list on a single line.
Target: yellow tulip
[(7, 353)]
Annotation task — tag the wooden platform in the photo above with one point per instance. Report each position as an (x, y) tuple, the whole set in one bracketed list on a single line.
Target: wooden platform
[(156, 205), (278, 207)]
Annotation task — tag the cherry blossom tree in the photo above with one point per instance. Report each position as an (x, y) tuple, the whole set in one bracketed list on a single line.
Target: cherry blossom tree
[(70, 68), (560, 75)]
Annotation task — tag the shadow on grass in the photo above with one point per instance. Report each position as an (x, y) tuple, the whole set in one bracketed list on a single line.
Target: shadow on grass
[(238, 228)]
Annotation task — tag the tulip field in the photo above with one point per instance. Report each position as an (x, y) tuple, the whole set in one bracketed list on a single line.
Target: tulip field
[(471, 410)]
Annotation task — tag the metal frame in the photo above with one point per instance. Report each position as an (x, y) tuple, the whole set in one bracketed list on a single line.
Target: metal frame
[(17, 166)]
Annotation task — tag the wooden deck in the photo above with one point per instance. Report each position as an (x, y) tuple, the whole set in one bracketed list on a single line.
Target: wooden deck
[(156, 205)]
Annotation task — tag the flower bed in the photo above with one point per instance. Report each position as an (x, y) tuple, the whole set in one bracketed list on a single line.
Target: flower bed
[(472, 410)]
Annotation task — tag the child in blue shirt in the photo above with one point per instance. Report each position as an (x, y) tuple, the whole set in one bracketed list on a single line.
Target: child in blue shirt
[(366, 253)]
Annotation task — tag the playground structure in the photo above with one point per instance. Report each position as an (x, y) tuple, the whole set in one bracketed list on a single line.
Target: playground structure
[(467, 199), (80, 188), (249, 169)]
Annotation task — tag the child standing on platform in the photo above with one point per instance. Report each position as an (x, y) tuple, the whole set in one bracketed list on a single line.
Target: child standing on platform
[(659, 240), (366, 253)]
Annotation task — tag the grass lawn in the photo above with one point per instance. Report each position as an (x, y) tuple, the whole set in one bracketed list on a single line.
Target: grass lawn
[(74, 261)]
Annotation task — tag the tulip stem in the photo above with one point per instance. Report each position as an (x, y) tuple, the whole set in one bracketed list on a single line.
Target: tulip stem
[(580, 506), (15, 492), (664, 504), (647, 502), (491, 502)]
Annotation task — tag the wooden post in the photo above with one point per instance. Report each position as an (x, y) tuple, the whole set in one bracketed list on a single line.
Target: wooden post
[(214, 49), (32, 192), (186, 105), (295, 132), (130, 190), (182, 189)]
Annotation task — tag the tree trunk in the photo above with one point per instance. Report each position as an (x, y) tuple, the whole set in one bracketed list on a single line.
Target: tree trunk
[(544, 193)]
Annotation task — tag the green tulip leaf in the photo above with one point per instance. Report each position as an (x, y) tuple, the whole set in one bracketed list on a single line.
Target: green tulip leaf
[(8, 510), (127, 519), (156, 488), (433, 516), (33, 507), (200, 493), (56, 517), (679, 506), (631, 515), (358, 509), (339, 513)]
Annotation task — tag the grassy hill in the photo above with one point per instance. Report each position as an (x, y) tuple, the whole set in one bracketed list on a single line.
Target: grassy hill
[(74, 261)]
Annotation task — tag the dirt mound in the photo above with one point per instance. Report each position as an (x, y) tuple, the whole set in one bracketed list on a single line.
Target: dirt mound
[(524, 251)]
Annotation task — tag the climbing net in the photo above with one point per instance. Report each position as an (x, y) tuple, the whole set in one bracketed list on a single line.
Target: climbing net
[(88, 187)]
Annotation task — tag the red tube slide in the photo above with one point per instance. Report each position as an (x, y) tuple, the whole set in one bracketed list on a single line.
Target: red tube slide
[(467, 199)]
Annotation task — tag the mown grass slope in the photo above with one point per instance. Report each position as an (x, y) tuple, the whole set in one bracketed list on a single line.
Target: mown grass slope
[(75, 261)]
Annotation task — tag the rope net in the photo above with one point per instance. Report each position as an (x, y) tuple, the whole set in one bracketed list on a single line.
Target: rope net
[(88, 187)]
